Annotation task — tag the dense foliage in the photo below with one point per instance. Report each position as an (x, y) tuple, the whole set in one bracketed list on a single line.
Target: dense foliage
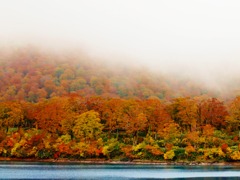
[(55, 109)]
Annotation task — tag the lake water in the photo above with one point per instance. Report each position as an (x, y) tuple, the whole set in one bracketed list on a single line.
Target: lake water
[(23, 170)]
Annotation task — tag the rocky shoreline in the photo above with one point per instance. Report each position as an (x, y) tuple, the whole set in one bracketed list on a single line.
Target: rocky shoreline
[(134, 162)]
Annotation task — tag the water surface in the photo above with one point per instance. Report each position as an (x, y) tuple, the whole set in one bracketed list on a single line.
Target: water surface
[(31, 170)]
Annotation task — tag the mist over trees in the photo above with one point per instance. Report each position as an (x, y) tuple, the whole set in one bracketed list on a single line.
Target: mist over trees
[(31, 75)]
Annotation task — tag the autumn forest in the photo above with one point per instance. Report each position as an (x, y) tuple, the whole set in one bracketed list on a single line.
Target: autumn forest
[(73, 107)]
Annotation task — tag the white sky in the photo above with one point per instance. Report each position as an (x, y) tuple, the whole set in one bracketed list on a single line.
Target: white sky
[(203, 35)]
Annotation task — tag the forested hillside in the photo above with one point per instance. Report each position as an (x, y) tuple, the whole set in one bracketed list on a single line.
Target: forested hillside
[(31, 75), (70, 106)]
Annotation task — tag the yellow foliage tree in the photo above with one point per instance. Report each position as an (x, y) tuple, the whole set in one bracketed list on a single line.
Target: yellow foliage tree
[(88, 126)]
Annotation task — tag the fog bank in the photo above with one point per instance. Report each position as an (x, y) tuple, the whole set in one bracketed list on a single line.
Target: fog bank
[(198, 39)]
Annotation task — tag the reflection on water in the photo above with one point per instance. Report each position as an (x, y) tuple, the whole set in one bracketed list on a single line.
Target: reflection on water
[(20, 170)]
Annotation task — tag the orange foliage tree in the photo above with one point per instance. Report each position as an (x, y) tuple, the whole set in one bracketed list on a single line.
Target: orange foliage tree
[(156, 115), (133, 119), (48, 115), (214, 112), (11, 115), (233, 120)]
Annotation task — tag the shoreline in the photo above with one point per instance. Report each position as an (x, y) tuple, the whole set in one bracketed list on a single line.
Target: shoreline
[(118, 162)]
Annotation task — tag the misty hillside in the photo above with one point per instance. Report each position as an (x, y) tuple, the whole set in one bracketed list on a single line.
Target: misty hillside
[(68, 105), (31, 74)]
